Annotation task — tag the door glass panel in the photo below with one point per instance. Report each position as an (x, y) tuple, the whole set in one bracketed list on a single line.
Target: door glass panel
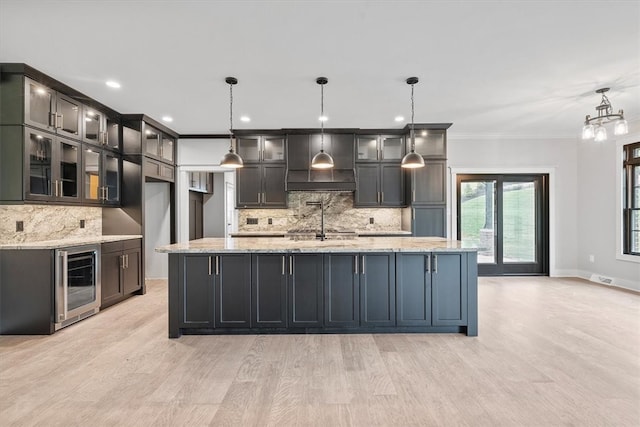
[(367, 148), (69, 169), (40, 164), (112, 178), (478, 219), (92, 125), (391, 148), (167, 149), (40, 104), (91, 174), (273, 149), (519, 222), (82, 287), (152, 138), (249, 149), (429, 142), (70, 112)]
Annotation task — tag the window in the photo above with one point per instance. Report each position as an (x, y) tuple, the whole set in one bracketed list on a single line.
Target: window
[(631, 199)]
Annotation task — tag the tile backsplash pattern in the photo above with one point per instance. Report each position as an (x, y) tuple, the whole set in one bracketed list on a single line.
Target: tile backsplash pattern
[(339, 214), (43, 222)]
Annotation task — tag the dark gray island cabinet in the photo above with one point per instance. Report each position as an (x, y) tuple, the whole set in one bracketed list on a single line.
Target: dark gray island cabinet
[(276, 285)]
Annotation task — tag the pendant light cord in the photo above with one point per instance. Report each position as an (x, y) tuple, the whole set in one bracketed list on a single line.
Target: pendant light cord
[(413, 139), (322, 117), (230, 117)]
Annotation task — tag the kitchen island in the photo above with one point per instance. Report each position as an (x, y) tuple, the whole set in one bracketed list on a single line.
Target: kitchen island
[(282, 285)]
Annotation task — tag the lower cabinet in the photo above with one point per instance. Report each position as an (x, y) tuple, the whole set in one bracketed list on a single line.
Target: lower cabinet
[(305, 291), (120, 270), (432, 289), (341, 290), (269, 290), (198, 291), (377, 290), (233, 291)]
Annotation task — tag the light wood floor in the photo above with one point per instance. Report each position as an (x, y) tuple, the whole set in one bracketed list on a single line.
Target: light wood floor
[(549, 352)]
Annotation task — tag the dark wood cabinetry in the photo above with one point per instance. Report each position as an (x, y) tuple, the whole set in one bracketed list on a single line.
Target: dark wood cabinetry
[(449, 289), (198, 291), (379, 185), (101, 176), (201, 182), (121, 264), (377, 290), (341, 290), (262, 149), (261, 185), (233, 291), (269, 290), (305, 290)]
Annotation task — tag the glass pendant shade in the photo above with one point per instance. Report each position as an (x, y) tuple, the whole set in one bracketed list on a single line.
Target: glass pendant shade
[(232, 160), (620, 127), (412, 160), (600, 133), (588, 131), (322, 160)]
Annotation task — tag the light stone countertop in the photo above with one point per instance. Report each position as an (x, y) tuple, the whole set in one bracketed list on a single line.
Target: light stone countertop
[(64, 243), (279, 245), (286, 233)]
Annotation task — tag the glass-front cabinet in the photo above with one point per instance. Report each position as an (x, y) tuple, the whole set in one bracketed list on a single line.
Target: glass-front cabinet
[(265, 149), (379, 148), (49, 110), (430, 143), (158, 144), (53, 167), (101, 170)]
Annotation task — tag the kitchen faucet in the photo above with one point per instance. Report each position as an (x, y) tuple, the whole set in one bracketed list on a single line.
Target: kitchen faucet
[(322, 235)]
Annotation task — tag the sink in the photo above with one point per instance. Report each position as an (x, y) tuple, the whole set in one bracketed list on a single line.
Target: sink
[(330, 234)]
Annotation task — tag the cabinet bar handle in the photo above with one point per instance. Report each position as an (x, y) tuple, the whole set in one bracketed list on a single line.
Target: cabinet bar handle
[(290, 265), (217, 265), (428, 263), (61, 190), (435, 263), (55, 188), (283, 262), (61, 124), (122, 261), (355, 266), (377, 154), (413, 195), (381, 197), (209, 265), (259, 194), (127, 260), (52, 119), (363, 265)]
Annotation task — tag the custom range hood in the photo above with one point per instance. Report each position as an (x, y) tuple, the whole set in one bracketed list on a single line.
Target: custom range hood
[(321, 180)]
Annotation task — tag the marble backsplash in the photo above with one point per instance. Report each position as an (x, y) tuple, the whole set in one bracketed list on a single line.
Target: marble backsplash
[(43, 222), (339, 214)]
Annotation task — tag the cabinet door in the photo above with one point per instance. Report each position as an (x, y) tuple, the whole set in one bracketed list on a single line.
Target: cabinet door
[(391, 185), (305, 290), (110, 284), (342, 150), (92, 166), (151, 141), (167, 148), (39, 178), (198, 292), (40, 105), (298, 152), (248, 186), (273, 182), (377, 290), (341, 290), (431, 143), (413, 303), (429, 183), (94, 127), (249, 149), (67, 170), (269, 291), (112, 127), (391, 148), (273, 149), (131, 277), (449, 289), (68, 116), (367, 178), (111, 178), (367, 148), (233, 291), (429, 221)]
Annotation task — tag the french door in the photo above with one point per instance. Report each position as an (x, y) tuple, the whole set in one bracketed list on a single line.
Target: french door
[(506, 218)]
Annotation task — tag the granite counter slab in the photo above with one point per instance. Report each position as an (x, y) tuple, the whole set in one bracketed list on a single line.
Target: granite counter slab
[(65, 243), (279, 245)]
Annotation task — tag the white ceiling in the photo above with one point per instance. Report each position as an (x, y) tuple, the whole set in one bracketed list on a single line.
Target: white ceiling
[(510, 68)]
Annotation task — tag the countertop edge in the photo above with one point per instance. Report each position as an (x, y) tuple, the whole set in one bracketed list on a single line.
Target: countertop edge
[(65, 243)]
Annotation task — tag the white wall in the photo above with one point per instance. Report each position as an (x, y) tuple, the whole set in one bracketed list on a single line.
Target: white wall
[(213, 217), (557, 157), (599, 211), (157, 230)]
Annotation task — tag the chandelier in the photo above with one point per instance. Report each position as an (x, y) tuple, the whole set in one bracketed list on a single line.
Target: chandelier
[(593, 126)]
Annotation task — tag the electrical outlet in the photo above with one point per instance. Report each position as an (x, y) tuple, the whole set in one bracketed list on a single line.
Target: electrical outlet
[(252, 221), (19, 225), (592, 258), (371, 220), (82, 223), (270, 221)]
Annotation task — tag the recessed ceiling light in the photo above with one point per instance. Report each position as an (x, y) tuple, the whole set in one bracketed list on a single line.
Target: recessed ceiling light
[(323, 118), (399, 119), (41, 91), (113, 84), (245, 118), (168, 119)]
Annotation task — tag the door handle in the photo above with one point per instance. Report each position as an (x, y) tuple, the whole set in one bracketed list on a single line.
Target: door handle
[(52, 119), (290, 265), (259, 198), (127, 260), (61, 190), (61, 124), (283, 262), (435, 263), (209, 265), (122, 261), (355, 264), (381, 197), (428, 263), (217, 265), (363, 265), (55, 188), (65, 280)]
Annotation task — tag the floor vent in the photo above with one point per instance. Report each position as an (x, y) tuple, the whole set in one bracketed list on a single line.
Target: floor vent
[(604, 280)]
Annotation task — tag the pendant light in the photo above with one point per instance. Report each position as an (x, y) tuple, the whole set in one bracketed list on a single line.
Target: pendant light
[(322, 160), (605, 115), (231, 159), (412, 160)]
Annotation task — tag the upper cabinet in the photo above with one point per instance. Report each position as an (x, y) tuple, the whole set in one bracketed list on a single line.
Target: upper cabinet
[(379, 148), (52, 111), (143, 136), (101, 169), (430, 143), (262, 149), (158, 144)]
